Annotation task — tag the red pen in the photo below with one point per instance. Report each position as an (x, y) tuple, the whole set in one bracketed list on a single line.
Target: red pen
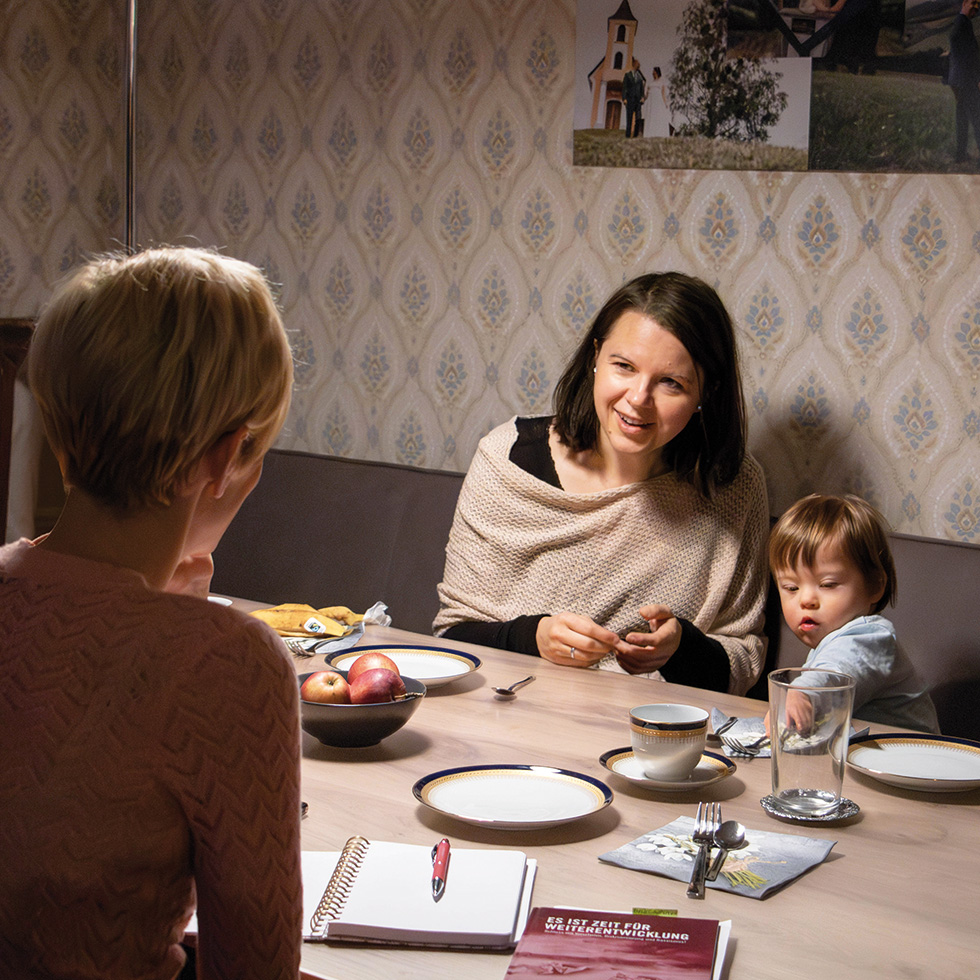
[(440, 868)]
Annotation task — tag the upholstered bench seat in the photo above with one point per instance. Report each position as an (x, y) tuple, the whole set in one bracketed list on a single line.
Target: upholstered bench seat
[(331, 531)]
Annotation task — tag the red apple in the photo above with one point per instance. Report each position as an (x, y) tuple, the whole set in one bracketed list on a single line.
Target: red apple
[(369, 661), (325, 687), (376, 685)]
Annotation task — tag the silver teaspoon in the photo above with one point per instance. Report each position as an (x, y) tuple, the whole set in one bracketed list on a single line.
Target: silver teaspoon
[(506, 693), (730, 837)]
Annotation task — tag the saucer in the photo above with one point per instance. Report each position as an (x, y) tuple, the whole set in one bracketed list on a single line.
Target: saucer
[(845, 810), (710, 769)]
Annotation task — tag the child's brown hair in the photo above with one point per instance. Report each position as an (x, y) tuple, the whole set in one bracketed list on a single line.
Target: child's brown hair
[(847, 523)]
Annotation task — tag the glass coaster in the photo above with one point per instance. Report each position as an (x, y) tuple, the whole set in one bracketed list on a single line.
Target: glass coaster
[(844, 811)]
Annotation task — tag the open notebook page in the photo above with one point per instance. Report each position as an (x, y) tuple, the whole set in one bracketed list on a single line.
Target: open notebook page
[(391, 897)]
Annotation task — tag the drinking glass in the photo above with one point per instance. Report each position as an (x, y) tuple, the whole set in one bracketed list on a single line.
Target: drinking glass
[(810, 723)]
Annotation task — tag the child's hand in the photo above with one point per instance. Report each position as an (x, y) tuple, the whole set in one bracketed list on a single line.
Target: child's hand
[(799, 711)]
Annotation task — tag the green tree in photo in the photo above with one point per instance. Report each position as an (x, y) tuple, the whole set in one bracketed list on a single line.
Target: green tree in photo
[(720, 97)]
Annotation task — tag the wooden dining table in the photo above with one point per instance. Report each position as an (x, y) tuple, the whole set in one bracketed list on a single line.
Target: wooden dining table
[(898, 897)]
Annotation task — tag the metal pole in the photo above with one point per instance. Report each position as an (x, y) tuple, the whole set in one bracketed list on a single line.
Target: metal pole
[(131, 126)]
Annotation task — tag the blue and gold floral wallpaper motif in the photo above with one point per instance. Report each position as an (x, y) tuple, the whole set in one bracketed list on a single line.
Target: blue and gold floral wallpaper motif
[(402, 170)]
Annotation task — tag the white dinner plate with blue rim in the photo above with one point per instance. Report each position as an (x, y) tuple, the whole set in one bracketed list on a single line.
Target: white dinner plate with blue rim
[(710, 769), (513, 797), (433, 666), (909, 760)]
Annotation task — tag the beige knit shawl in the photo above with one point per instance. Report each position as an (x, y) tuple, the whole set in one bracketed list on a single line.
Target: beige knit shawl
[(519, 546)]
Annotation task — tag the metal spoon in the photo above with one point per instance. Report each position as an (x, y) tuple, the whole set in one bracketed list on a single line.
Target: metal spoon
[(730, 837), (507, 693)]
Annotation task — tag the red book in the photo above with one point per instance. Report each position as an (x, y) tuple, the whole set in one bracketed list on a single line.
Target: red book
[(615, 946)]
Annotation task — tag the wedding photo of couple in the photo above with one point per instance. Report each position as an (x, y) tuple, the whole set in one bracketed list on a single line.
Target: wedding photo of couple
[(838, 85)]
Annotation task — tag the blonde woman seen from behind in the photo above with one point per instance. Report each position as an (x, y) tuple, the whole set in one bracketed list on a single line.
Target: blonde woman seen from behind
[(149, 745)]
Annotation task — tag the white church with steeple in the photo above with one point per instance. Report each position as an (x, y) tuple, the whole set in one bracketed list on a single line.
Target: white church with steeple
[(606, 79)]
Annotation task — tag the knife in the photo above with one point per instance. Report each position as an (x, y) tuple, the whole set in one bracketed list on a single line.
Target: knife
[(696, 888)]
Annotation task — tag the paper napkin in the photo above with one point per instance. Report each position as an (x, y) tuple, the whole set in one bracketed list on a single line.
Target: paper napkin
[(744, 728), (768, 862)]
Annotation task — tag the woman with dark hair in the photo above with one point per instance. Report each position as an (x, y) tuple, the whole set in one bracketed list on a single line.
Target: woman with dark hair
[(628, 530)]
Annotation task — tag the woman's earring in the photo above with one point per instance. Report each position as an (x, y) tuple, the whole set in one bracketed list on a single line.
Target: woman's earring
[(595, 370)]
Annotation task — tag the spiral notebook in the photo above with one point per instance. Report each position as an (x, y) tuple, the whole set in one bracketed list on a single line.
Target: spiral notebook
[(381, 892)]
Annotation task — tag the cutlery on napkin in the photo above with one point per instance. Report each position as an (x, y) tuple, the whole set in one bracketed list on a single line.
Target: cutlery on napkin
[(749, 729), (743, 730), (768, 861)]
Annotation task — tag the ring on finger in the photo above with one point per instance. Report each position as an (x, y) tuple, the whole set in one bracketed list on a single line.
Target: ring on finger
[(571, 652)]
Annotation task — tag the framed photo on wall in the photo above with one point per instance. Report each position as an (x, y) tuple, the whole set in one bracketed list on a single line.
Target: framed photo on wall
[(840, 85)]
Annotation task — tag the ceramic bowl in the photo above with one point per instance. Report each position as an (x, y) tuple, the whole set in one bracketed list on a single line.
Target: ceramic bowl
[(358, 725)]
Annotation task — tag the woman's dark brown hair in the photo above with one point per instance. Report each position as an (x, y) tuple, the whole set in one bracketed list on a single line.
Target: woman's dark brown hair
[(708, 453)]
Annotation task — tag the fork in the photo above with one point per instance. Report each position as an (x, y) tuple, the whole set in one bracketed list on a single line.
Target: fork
[(295, 645), (706, 825), (749, 749)]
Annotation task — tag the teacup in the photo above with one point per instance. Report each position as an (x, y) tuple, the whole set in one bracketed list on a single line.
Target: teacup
[(668, 739)]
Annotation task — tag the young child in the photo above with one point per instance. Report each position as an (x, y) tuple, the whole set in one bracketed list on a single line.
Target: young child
[(831, 562)]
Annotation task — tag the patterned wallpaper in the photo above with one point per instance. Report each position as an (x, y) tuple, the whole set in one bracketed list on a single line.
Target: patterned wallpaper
[(403, 169), (62, 141)]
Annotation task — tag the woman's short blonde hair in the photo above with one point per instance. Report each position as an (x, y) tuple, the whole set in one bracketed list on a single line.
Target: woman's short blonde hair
[(850, 525), (140, 363)]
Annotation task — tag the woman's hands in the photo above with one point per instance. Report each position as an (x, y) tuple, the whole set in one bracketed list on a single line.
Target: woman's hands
[(576, 641), (573, 640), (640, 653)]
